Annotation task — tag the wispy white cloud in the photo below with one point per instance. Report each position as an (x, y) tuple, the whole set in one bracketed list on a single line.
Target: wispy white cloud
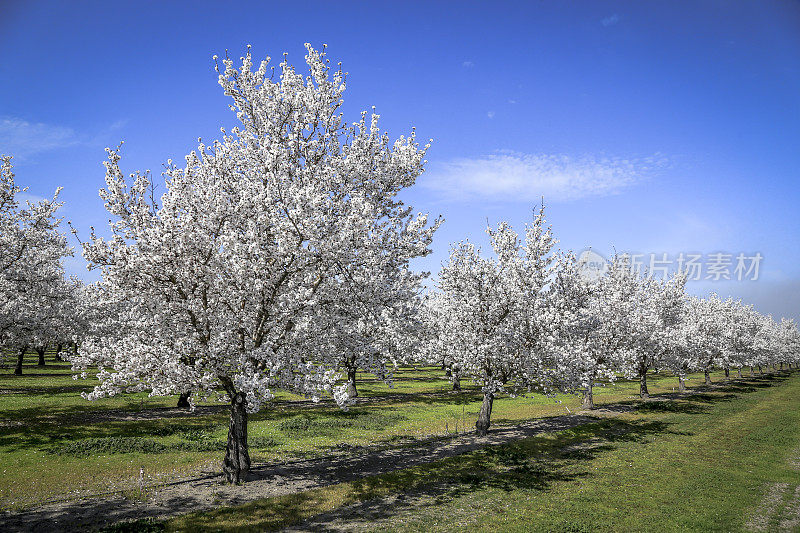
[(21, 138), (467, 64), (490, 114), (118, 125), (610, 20), (24, 197), (512, 176)]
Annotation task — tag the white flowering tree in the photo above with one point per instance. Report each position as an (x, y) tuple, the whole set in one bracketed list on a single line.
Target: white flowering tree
[(32, 282), (618, 294), (477, 336), (528, 268), (767, 344), (643, 314), (222, 284), (589, 314), (705, 333), (371, 325), (662, 308), (434, 347), (789, 343), (492, 312), (740, 329), (68, 325)]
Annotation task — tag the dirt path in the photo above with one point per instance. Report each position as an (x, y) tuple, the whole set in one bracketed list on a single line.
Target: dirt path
[(779, 509), (210, 491)]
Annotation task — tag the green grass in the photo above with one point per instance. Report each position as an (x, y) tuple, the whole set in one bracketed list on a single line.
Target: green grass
[(700, 463), (55, 445)]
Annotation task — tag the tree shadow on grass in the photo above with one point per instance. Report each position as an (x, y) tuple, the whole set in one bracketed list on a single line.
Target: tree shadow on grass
[(671, 406), (371, 488), (698, 399), (48, 428), (45, 391), (533, 465), (466, 463), (710, 397)]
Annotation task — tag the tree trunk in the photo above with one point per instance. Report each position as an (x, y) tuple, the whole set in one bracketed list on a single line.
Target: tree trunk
[(588, 396), (707, 376), (751, 371), (351, 383), (739, 372), (457, 381), (58, 353), (20, 357), (760, 370), (183, 400), (643, 392), (40, 351), (484, 418), (237, 458), (727, 374), (681, 384), (781, 365)]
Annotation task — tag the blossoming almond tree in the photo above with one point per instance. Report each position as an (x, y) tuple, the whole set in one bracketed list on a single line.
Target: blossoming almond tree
[(662, 306), (705, 333), (789, 342), (33, 288), (587, 326), (528, 268), (493, 313), (224, 281), (737, 335), (371, 325), (767, 343), (644, 315), (618, 295), (434, 337)]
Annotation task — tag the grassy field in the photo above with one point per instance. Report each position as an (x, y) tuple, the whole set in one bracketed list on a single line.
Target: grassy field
[(699, 462)]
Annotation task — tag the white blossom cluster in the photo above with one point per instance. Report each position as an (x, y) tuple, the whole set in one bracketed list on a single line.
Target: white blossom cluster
[(37, 302), (490, 318), (275, 252)]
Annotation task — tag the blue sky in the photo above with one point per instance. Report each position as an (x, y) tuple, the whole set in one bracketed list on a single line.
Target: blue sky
[(649, 127)]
